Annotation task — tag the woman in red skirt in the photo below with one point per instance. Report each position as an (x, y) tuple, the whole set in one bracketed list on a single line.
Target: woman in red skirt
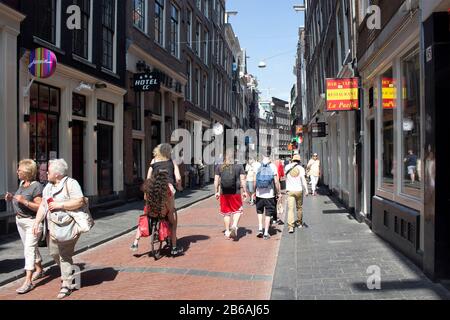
[(229, 180)]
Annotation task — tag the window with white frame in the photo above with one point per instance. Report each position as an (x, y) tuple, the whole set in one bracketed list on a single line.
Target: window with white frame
[(140, 14), (108, 33), (46, 23), (175, 31), (199, 4), (159, 22), (81, 37), (189, 27)]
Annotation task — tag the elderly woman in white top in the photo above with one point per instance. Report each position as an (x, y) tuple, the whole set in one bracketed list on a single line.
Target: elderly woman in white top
[(61, 194)]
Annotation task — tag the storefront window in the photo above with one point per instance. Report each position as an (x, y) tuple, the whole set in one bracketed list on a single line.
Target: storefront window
[(412, 173), (388, 94), (78, 105), (44, 126), (137, 112)]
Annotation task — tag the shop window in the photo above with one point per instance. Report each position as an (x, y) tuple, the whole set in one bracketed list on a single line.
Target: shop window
[(105, 111), (78, 105), (412, 173), (44, 126), (389, 96)]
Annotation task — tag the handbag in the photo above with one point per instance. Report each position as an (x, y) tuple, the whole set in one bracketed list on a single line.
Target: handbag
[(62, 226), (164, 230), (82, 217), (144, 226), (42, 242)]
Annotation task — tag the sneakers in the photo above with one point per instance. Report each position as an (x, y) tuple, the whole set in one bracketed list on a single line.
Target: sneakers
[(266, 237), (260, 233), (25, 288), (176, 251), (134, 247), (291, 230)]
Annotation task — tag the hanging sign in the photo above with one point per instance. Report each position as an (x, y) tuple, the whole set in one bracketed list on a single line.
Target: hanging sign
[(319, 130), (389, 93), (42, 63), (144, 82), (342, 94)]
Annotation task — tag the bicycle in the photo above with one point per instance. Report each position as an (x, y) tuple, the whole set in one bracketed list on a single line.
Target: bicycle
[(155, 242)]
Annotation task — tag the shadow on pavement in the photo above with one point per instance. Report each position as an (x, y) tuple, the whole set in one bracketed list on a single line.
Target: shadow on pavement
[(10, 265), (395, 286), (96, 277), (185, 242)]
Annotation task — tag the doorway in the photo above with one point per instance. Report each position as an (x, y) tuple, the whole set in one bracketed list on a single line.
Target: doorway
[(105, 174), (156, 134), (78, 132)]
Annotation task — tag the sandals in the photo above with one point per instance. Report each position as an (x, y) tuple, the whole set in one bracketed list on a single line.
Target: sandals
[(25, 288), (64, 293), (37, 276)]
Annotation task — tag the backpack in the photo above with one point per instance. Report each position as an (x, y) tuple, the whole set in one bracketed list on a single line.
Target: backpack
[(228, 180), (264, 178)]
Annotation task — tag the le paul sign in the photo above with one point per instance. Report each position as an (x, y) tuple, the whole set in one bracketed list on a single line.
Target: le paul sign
[(144, 82)]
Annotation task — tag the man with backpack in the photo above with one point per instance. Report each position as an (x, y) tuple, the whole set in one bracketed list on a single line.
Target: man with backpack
[(296, 187), (229, 181), (267, 187)]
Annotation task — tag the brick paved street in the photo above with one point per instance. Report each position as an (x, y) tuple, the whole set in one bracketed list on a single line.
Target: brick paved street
[(326, 261), (211, 268)]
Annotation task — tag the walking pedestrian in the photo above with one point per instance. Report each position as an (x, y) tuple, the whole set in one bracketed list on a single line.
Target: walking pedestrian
[(61, 195), (163, 162), (251, 176), (279, 199), (313, 170), (411, 165), (296, 188), (25, 203), (228, 182), (267, 187)]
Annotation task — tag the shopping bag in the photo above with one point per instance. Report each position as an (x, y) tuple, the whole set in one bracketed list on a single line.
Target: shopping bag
[(144, 226), (164, 230)]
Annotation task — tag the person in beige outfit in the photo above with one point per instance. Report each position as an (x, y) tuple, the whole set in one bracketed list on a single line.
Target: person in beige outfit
[(313, 170)]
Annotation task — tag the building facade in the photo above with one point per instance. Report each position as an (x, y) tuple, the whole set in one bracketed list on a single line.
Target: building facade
[(282, 124), (76, 114)]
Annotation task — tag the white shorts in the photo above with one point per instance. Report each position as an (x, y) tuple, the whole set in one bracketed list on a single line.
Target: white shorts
[(411, 169)]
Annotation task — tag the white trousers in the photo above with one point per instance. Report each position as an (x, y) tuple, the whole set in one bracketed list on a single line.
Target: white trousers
[(30, 242), (314, 182)]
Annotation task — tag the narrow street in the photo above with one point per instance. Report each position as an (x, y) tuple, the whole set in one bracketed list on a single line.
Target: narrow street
[(327, 260)]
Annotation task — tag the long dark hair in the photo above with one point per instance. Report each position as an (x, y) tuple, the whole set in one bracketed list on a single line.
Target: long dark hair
[(156, 192)]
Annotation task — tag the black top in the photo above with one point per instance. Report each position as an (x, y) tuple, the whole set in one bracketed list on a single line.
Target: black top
[(238, 171), (167, 166)]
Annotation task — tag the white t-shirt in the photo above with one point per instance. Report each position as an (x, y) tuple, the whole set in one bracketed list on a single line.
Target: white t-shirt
[(266, 193), (251, 170), (295, 180)]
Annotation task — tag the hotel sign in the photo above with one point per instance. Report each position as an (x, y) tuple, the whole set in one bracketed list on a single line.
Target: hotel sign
[(342, 94), (144, 82)]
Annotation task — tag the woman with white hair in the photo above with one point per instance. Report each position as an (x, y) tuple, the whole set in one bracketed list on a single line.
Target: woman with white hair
[(62, 194)]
